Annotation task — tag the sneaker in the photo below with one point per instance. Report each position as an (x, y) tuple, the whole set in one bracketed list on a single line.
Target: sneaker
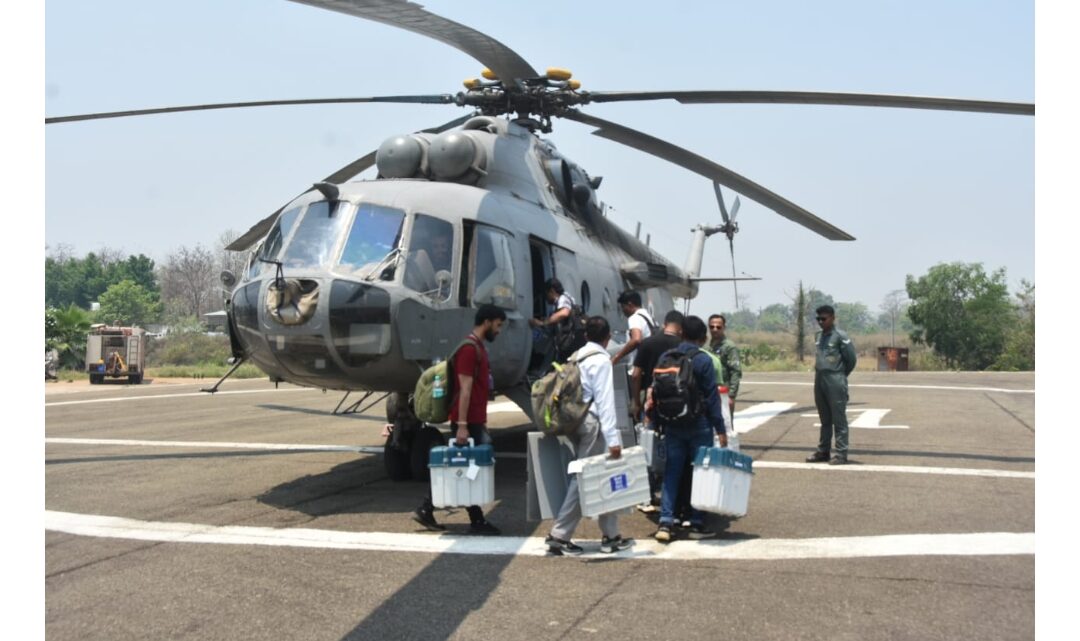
[(647, 508), (700, 532), (617, 544), (838, 459), (559, 547), (818, 457), (664, 534), (484, 528), (426, 518), (684, 525)]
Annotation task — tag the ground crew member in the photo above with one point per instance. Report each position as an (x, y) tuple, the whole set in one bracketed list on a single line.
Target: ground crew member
[(598, 386), (468, 407), (835, 360), (725, 348)]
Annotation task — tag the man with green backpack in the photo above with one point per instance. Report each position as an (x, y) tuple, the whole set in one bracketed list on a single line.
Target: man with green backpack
[(587, 377), (469, 371)]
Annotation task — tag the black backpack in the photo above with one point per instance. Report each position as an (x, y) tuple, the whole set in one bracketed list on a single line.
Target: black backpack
[(570, 333), (675, 393)]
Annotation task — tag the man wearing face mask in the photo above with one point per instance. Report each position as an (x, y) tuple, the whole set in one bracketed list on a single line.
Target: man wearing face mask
[(468, 407)]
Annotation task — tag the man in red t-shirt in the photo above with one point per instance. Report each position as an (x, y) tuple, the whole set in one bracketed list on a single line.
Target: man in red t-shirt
[(469, 400)]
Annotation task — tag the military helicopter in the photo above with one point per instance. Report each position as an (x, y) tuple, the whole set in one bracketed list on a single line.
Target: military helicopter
[(359, 285)]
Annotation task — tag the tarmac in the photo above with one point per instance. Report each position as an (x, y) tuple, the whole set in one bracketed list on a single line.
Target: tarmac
[(256, 513)]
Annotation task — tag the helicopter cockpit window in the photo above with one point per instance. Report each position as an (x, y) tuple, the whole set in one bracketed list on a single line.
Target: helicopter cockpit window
[(272, 245), (431, 251), (313, 242), (493, 273), (375, 235)]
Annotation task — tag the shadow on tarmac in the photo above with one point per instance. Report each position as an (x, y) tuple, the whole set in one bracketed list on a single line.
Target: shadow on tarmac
[(307, 410)]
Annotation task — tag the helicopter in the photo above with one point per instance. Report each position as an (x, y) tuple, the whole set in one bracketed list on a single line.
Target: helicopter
[(359, 285)]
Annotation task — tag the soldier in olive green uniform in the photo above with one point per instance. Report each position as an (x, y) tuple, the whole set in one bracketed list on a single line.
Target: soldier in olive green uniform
[(835, 360), (725, 348)]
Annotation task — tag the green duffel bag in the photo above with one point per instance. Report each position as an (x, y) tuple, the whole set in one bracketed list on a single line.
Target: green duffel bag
[(558, 400)]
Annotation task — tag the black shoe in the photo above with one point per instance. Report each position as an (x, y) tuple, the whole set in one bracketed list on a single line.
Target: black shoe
[(559, 547), (426, 518), (617, 544), (484, 528), (839, 459), (664, 534), (700, 532), (818, 457)]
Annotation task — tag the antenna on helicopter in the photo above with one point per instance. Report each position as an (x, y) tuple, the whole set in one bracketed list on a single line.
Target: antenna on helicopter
[(729, 229)]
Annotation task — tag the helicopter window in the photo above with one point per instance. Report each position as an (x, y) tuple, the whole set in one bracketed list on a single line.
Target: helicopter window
[(376, 231), (272, 245), (586, 296), (494, 270), (315, 237), (431, 251)]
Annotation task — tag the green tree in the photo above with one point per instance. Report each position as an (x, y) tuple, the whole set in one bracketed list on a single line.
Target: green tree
[(128, 303), (961, 312), (775, 318), (138, 269), (1019, 352), (854, 317), (65, 331)]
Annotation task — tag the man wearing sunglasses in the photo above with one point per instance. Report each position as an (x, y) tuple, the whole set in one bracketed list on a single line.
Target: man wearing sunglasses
[(835, 360)]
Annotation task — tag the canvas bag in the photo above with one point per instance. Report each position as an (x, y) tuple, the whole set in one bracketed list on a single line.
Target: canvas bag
[(558, 400), (436, 410)]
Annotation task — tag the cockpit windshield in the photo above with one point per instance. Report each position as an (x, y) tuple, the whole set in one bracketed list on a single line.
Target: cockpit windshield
[(316, 236), (431, 250), (375, 233), (272, 245)]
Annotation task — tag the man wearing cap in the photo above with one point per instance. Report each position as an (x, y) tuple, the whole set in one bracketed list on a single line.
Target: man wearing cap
[(835, 360)]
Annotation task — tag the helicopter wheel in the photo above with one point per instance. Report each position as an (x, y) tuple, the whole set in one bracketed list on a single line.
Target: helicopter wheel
[(397, 461), (426, 438)]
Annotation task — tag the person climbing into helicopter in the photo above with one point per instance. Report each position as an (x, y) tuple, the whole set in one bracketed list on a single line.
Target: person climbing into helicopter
[(558, 321)]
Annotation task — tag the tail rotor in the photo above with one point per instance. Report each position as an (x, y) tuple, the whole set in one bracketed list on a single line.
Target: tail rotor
[(729, 229)]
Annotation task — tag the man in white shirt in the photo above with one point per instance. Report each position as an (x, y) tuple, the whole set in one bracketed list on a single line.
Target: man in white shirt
[(640, 322), (598, 387)]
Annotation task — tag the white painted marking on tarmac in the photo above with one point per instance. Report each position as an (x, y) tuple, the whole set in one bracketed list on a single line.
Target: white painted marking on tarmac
[(757, 415), (187, 394), (935, 387), (975, 544), (503, 406), (866, 419), (902, 469)]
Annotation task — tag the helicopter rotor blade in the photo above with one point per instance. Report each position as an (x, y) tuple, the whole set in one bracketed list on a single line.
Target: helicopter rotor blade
[(259, 229), (735, 208), (819, 98), (711, 170), (720, 199), (507, 65), (734, 280), (433, 99)]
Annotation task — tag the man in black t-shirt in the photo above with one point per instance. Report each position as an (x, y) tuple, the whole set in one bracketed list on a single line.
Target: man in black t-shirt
[(648, 354)]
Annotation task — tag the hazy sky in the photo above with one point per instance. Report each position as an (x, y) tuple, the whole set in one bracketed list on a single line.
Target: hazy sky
[(914, 187)]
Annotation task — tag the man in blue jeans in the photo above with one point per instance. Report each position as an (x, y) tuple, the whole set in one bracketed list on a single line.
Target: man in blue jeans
[(683, 436)]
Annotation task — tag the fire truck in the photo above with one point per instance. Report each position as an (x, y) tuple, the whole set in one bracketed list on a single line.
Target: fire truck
[(115, 352)]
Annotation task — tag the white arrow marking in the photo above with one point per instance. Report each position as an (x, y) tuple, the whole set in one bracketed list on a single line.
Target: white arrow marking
[(757, 415), (976, 544), (868, 419)]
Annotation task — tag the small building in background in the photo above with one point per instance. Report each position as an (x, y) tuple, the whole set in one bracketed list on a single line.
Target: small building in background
[(215, 322)]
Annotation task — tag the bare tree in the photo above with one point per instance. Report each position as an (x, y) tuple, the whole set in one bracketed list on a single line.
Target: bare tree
[(233, 261), (110, 256), (893, 306), (189, 281)]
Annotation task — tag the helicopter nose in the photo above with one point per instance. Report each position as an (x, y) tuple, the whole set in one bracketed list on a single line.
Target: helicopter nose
[(292, 301), (359, 321)]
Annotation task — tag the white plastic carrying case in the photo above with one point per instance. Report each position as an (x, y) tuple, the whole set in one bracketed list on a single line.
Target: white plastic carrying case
[(721, 482), (462, 476), (608, 485)]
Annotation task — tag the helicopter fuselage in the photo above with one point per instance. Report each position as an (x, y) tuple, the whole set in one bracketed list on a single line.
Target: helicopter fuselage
[(362, 290)]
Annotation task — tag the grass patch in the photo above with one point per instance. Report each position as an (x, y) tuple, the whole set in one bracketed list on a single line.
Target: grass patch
[(204, 370)]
